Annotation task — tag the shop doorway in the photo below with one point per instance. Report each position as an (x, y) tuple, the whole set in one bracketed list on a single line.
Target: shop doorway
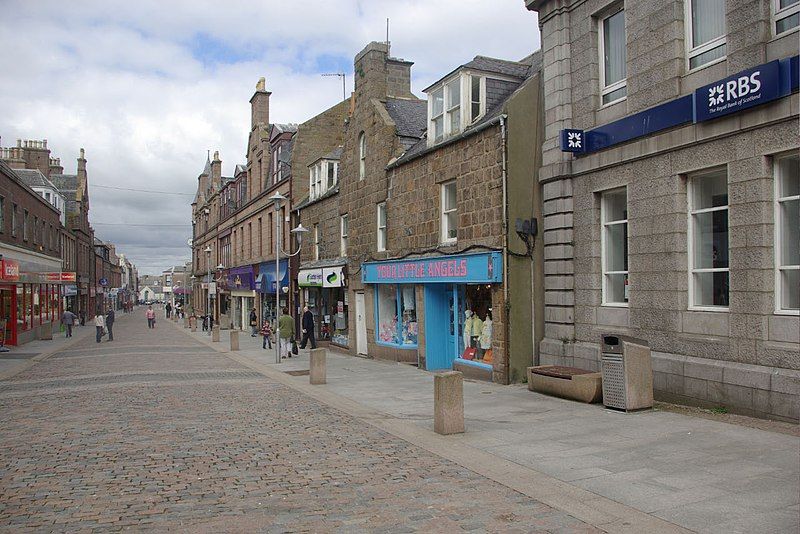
[(8, 315), (361, 325)]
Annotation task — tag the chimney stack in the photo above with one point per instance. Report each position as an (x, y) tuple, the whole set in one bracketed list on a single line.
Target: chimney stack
[(379, 76), (216, 171), (259, 105)]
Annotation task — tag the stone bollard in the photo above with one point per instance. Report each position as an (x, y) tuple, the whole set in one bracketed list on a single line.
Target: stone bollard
[(448, 403), (186, 322), (194, 326), (234, 340), (318, 367), (46, 331), (215, 333)]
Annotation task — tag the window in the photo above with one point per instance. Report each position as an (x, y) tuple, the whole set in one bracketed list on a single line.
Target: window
[(453, 95), (2, 215), (614, 246), (787, 15), (449, 213), (787, 236), (381, 226), (260, 237), (362, 156), (613, 56), (316, 241), (437, 115), (475, 97), (344, 226), (249, 240), (13, 220), (24, 225), (396, 315), (705, 31), (708, 240), (332, 174)]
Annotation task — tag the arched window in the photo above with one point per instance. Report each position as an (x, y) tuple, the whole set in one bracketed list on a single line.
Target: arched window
[(362, 156)]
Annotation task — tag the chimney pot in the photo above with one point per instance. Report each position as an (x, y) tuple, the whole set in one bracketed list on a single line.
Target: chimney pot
[(83, 154), (262, 84)]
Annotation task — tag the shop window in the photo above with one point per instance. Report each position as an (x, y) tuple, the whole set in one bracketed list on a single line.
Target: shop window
[(614, 246), (613, 56), (449, 212), (787, 228), (708, 240), (786, 15), (706, 29), (344, 227), (362, 156), (396, 315), (381, 227)]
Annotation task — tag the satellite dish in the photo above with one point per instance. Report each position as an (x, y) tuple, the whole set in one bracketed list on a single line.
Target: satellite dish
[(190, 242)]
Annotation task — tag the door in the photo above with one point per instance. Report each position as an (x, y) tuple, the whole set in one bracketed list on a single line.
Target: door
[(361, 325), (438, 327), (8, 315)]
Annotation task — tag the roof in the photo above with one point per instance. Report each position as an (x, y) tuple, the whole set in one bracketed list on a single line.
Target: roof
[(65, 182), (284, 128), (34, 178), (410, 116), (286, 153), (335, 154), (331, 262), (514, 69), (207, 168), (240, 168), (307, 201)]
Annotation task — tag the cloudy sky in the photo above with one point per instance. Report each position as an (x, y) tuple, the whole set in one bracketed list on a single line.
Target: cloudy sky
[(147, 87)]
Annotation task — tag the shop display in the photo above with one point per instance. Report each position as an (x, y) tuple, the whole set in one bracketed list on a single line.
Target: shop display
[(397, 315)]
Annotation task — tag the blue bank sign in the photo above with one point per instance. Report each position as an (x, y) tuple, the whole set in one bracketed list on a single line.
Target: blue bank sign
[(741, 91), (738, 92)]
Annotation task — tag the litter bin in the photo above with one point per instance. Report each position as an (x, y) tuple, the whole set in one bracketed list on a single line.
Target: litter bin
[(627, 373)]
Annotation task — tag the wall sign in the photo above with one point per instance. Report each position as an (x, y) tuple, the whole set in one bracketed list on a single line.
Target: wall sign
[(9, 270), (310, 278), (735, 93), (462, 268), (572, 140), (333, 276)]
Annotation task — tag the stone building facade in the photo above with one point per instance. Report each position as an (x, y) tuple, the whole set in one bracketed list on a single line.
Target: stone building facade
[(670, 189)]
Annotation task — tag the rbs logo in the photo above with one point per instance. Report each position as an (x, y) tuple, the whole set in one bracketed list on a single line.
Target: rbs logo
[(733, 90)]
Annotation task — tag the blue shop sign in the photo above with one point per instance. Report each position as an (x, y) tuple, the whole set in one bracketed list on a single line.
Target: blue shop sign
[(741, 91), (735, 93), (484, 267)]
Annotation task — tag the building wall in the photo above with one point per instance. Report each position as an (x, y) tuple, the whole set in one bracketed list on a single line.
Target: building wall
[(745, 358)]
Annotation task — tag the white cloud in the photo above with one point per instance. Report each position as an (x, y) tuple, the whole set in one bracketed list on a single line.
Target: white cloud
[(147, 87)]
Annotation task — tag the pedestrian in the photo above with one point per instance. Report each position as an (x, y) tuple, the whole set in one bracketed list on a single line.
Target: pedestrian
[(205, 323), (285, 333), (253, 323), (151, 317), (110, 324), (82, 315), (308, 329), (99, 325), (168, 308), (68, 319), (266, 332)]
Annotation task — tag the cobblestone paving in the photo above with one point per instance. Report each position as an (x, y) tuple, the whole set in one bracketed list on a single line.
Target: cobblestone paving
[(129, 436)]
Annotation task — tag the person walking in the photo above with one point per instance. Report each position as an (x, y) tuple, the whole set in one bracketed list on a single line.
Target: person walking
[(110, 324), (82, 316), (308, 329), (99, 325), (285, 333), (151, 317), (68, 319), (168, 308), (253, 323), (266, 333)]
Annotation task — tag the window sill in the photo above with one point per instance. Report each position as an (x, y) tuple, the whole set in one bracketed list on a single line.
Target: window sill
[(704, 65), (449, 243), (612, 103), (720, 309), (615, 305), (782, 34), (396, 345), (787, 313)]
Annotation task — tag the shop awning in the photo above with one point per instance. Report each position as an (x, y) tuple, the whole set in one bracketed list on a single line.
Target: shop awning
[(265, 281)]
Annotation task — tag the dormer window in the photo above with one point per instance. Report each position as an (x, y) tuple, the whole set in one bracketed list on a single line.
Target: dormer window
[(457, 103), (323, 176)]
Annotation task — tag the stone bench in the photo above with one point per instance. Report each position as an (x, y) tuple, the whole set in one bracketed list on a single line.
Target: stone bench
[(566, 382)]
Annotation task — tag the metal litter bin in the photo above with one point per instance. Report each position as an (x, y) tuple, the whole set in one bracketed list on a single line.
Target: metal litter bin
[(627, 373)]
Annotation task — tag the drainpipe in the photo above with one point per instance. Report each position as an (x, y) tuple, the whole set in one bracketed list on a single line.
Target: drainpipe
[(507, 307)]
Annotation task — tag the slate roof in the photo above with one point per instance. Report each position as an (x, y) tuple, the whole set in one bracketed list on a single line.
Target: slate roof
[(283, 128), (240, 168), (66, 183), (410, 116), (514, 69), (336, 153), (286, 153), (34, 178)]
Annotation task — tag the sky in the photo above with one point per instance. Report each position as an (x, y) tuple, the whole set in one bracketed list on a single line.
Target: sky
[(147, 88)]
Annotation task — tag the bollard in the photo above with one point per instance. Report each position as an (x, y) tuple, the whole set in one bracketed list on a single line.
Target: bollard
[(194, 326), (234, 340), (186, 322), (215, 333), (46, 331), (318, 367), (448, 403)]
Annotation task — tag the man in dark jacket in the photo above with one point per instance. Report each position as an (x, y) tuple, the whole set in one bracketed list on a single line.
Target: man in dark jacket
[(308, 329), (110, 324)]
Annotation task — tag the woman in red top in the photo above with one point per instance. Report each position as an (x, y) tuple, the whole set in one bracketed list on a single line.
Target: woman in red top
[(151, 317)]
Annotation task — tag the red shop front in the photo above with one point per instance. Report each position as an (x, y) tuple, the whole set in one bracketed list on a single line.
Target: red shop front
[(28, 304)]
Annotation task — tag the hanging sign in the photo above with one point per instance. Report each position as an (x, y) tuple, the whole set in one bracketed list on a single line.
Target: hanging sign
[(333, 276)]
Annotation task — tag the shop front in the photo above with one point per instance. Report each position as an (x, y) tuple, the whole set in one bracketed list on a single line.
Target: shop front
[(265, 285), (324, 290), (438, 309), (30, 305), (241, 286)]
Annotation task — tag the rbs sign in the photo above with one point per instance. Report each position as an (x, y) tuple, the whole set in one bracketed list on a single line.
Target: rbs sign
[(738, 92)]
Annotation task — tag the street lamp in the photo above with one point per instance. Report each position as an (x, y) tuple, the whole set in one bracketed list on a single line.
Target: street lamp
[(217, 295), (277, 198), (191, 292), (208, 287)]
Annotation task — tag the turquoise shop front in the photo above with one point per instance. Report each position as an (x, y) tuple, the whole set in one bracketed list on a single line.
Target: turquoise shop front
[(457, 293)]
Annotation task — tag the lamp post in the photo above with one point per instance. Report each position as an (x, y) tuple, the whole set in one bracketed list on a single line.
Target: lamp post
[(276, 199), (208, 287), (191, 293), (217, 294)]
